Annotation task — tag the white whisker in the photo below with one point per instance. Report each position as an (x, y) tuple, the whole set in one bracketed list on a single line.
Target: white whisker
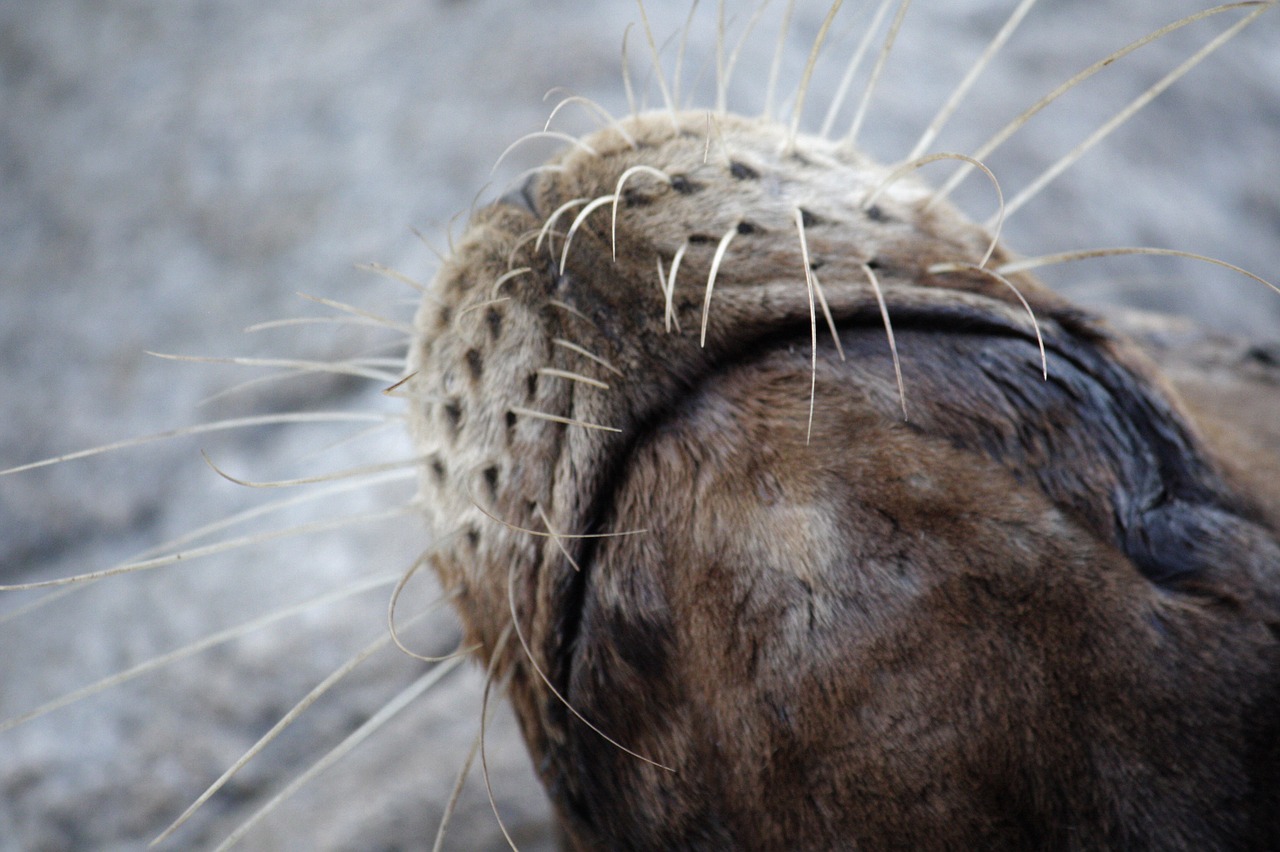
[(711, 278), (991, 273), (577, 223), (851, 138), (670, 316), (1125, 114), (573, 377), (617, 194), (852, 66), (341, 368), (528, 652), (556, 539), (540, 134), (484, 721), (556, 418), (736, 53), (219, 638), (677, 76), (395, 275), (203, 428), (1064, 257), (888, 330), (803, 89), (1001, 136), (657, 65), (591, 356), (957, 97), (350, 473), (343, 307), (551, 220), (813, 320), (212, 549), (826, 312), (600, 112), (359, 735), (775, 67)]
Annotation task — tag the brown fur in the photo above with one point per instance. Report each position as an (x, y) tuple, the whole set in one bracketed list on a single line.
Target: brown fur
[(1034, 614)]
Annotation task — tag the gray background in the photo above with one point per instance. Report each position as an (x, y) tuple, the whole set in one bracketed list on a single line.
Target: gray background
[(171, 173)]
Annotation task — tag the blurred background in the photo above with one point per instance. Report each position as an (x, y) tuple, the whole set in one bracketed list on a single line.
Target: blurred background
[(173, 173)]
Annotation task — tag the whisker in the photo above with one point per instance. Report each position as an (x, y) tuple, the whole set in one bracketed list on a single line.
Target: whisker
[(813, 320), (775, 67), (852, 66), (626, 73), (591, 356), (941, 268), (577, 223), (671, 288), (541, 534), (556, 538), (851, 138), (570, 309), (499, 648), (997, 223), (220, 638), (957, 97), (394, 631), (341, 368), (723, 96), (350, 473), (555, 418), (543, 134), (345, 308), (211, 549), (395, 275), (508, 276), (599, 111), (1001, 136), (677, 76), (573, 377), (1063, 257), (204, 428), (1068, 159), (551, 220), (617, 194), (515, 622), (657, 65), (888, 330), (359, 735), (354, 322), (826, 312), (478, 305), (711, 278), (803, 89)]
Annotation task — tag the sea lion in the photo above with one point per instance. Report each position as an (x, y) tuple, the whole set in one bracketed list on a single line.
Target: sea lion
[(753, 590)]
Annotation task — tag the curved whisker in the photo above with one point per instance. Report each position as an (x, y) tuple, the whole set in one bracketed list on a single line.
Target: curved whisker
[(711, 278), (888, 330)]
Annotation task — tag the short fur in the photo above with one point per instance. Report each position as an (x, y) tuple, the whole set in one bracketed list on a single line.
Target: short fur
[(1033, 614)]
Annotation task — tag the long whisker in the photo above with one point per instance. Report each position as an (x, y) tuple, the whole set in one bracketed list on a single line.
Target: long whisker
[(543, 134), (551, 220), (541, 534), (204, 428), (1125, 114), (617, 194), (1063, 257), (775, 67), (626, 73), (711, 278), (556, 418), (888, 330), (852, 66), (340, 368), (941, 268), (851, 138), (813, 320), (1001, 136), (393, 629), (803, 89), (452, 804), (498, 650), (599, 111), (997, 221), (556, 538), (220, 638), (957, 97), (722, 97), (266, 739), (657, 65), (678, 76), (359, 735), (671, 288), (826, 312), (350, 473), (212, 549), (515, 622), (577, 223), (590, 356), (393, 274)]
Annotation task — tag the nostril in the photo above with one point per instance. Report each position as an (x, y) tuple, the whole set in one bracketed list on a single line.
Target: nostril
[(523, 197)]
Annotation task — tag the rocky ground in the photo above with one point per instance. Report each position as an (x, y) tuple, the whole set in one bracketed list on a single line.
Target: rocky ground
[(173, 173)]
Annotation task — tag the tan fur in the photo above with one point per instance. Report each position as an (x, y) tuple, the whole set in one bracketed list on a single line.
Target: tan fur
[(1033, 614)]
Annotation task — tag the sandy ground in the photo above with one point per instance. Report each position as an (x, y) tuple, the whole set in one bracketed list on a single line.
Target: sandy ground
[(172, 173)]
